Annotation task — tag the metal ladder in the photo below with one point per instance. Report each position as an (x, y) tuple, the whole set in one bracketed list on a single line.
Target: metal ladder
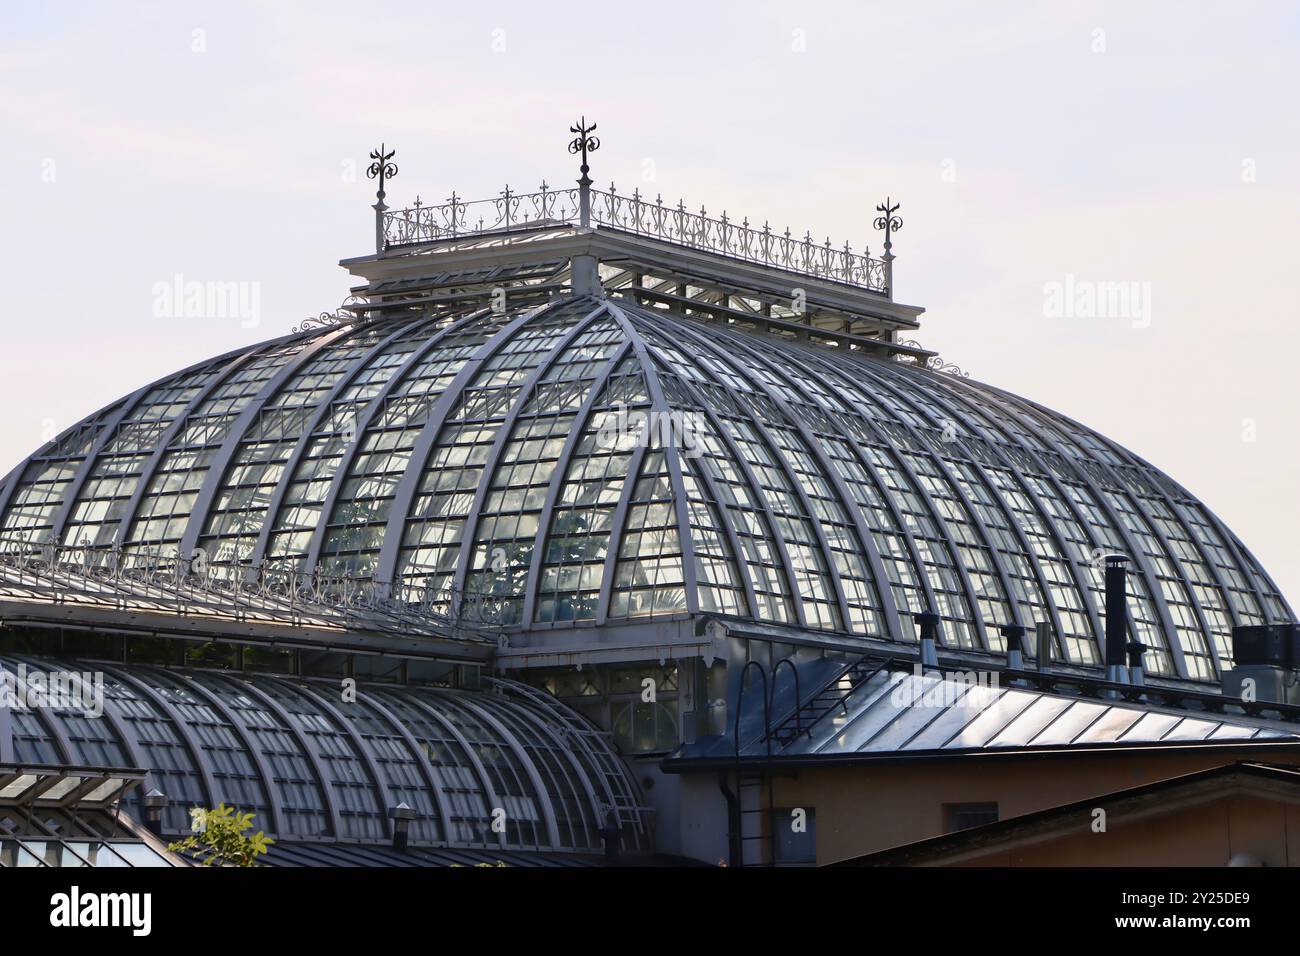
[(750, 821), (833, 695)]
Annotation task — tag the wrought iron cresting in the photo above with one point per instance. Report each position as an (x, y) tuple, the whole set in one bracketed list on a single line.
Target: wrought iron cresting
[(548, 208)]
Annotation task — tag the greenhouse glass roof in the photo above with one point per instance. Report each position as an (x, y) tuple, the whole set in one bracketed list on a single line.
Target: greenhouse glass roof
[(597, 460), (506, 767)]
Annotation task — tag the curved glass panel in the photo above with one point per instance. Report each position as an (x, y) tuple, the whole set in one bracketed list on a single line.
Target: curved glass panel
[(502, 769), (518, 462)]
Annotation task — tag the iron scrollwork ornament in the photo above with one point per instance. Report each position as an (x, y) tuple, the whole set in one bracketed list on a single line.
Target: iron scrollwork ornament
[(936, 364), (326, 320), (888, 222), (382, 168), (584, 143), (932, 363)]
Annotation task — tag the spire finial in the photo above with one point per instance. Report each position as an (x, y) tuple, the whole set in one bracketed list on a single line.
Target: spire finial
[(890, 224), (584, 269), (584, 143), (382, 169)]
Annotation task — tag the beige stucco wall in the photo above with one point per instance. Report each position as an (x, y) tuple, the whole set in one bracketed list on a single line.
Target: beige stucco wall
[(863, 809), (1208, 834)]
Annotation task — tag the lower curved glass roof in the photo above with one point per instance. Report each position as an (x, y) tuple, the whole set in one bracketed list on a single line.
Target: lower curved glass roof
[(506, 768), (520, 456)]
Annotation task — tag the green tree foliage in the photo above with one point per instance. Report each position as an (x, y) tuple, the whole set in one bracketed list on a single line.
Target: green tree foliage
[(220, 838)]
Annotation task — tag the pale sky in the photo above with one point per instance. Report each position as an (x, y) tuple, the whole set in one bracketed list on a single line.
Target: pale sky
[(1153, 143)]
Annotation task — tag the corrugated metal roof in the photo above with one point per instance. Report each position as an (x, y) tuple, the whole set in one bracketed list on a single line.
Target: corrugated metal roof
[(899, 711)]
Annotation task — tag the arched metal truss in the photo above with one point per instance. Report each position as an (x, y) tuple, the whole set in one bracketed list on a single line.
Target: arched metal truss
[(506, 767), (467, 451)]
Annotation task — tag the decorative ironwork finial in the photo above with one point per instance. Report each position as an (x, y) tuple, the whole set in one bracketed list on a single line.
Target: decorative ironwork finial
[(888, 222), (585, 275), (584, 143), (382, 169)]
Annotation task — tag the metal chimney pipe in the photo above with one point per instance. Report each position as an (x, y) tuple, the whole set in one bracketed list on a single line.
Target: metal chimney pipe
[(155, 802), (1116, 580), (1136, 675), (1015, 635), (401, 815), (1043, 644), (929, 623)]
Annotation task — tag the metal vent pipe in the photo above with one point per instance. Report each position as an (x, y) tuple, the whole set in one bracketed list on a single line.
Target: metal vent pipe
[(1116, 580)]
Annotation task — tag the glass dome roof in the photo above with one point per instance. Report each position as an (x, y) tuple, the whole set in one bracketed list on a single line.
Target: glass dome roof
[(313, 765), (521, 455)]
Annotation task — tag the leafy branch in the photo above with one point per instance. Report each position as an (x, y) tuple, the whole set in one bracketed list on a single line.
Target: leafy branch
[(219, 838)]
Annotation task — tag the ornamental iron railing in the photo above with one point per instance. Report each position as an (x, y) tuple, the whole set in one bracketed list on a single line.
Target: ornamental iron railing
[(163, 579), (547, 208)]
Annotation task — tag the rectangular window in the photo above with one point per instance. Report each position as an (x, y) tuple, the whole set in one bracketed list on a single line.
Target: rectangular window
[(794, 836)]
